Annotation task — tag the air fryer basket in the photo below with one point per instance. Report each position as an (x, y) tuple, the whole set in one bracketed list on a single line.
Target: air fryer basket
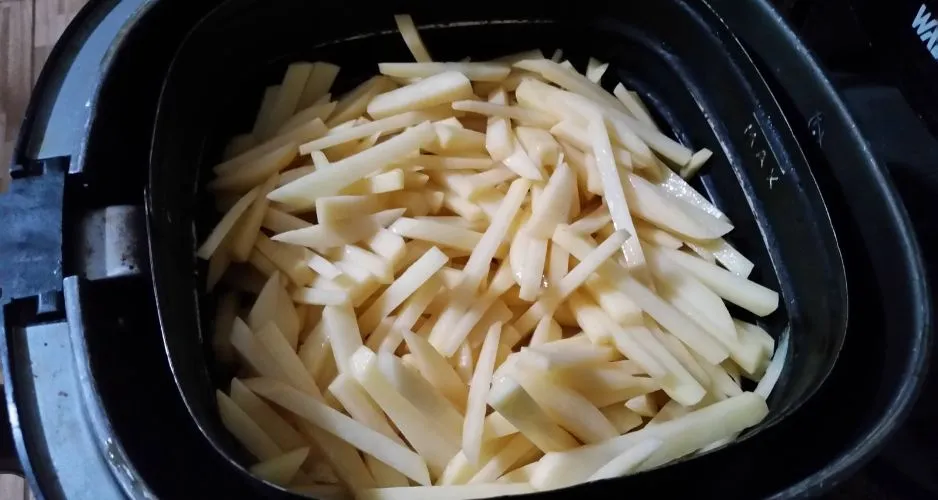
[(679, 56)]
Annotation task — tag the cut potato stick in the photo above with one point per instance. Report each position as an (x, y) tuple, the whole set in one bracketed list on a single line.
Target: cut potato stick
[(418, 429), (344, 336), (297, 135), (304, 192), (679, 437), (266, 418), (576, 277), (634, 106), (288, 98), (558, 194), (453, 140), (614, 196), (280, 470), (595, 70), (402, 288), (436, 369), (643, 405), (446, 492), (321, 237), (285, 356), (498, 137), (245, 232), (226, 224), (567, 407), (245, 430), (570, 80), (358, 435), (342, 456), (321, 78), (695, 163), (509, 399), (405, 25), (250, 349), (290, 260), (532, 272), (360, 406), (392, 180), (383, 126), (258, 170), (435, 232), (650, 204), (522, 115), (662, 312), (225, 313), (547, 330), (477, 72), (750, 296), (281, 222), (482, 254), (540, 146), (628, 461), (517, 448), (473, 424), (621, 417), (432, 91), (353, 105), (410, 384)]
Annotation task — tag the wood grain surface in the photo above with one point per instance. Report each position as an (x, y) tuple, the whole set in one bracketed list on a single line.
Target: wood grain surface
[(28, 31)]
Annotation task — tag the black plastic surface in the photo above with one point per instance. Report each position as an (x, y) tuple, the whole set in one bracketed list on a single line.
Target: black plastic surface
[(680, 57)]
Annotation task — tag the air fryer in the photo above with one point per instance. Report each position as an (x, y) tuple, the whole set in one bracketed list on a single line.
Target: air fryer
[(107, 387)]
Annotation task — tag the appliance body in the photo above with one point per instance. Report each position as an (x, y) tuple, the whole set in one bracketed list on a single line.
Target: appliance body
[(93, 404)]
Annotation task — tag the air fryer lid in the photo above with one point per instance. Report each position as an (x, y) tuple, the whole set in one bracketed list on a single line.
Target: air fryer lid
[(680, 57)]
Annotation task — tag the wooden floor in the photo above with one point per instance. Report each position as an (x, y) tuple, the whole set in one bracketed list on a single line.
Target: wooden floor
[(28, 30)]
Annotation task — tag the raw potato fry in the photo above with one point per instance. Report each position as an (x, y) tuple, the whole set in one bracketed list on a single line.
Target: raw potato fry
[(288, 97), (342, 330), (517, 448), (322, 237), (750, 296), (568, 408), (282, 222), (679, 437), (321, 77), (419, 430), (628, 461), (498, 139), (266, 418), (386, 125), (434, 367), (226, 224), (410, 384), (402, 288), (477, 72), (446, 492), (595, 70), (280, 470), (304, 192), (245, 430), (285, 356), (405, 24), (354, 104), (432, 255), (478, 393), (362, 437), (509, 399), (429, 92)]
